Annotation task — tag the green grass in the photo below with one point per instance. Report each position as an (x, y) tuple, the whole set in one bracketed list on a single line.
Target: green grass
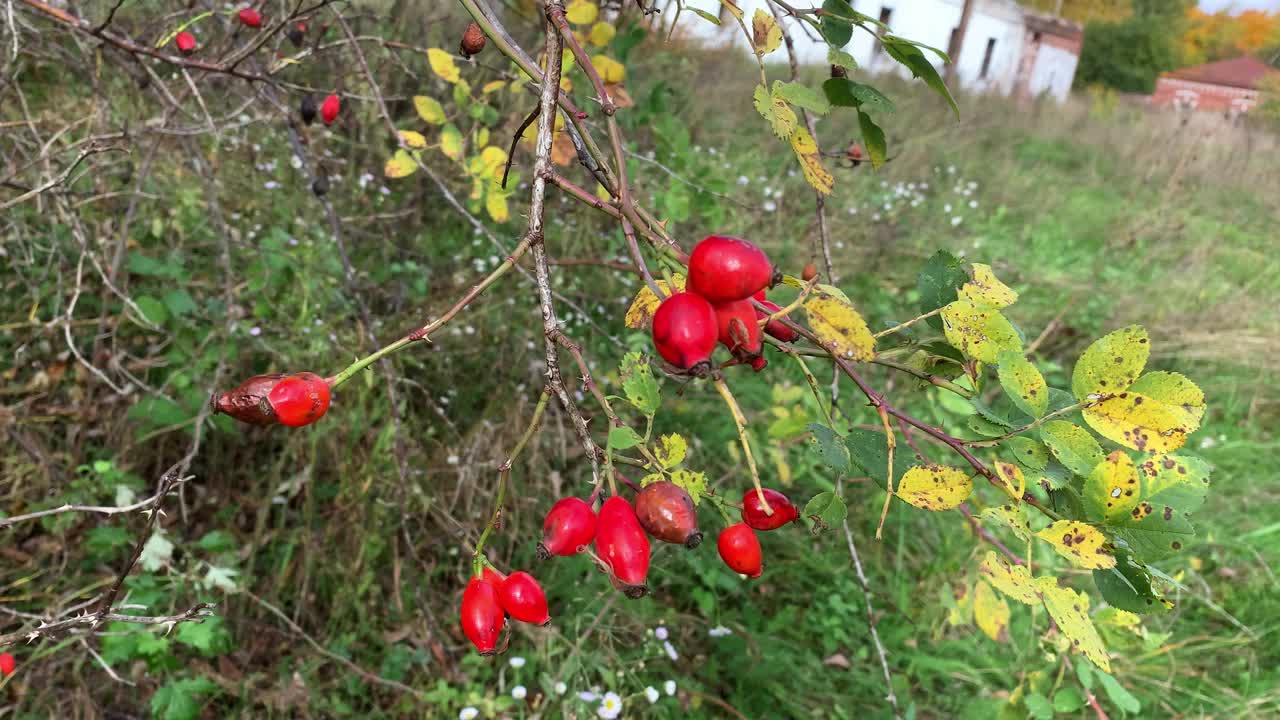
[(1098, 219)]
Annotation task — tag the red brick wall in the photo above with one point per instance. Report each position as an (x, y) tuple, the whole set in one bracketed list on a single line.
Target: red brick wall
[(1203, 96)]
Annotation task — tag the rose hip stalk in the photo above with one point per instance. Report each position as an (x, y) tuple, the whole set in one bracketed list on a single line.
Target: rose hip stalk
[(723, 269), (481, 617), (738, 330), (666, 512), (292, 400), (570, 525), (523, 599), (623, 546), (740, 550), (753, 513), (684, 330)]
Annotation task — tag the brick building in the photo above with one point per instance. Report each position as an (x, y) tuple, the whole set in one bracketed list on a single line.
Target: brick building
[(1226, 86)]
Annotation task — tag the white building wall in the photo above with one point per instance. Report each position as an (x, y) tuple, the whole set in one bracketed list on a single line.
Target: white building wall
[(1054, 70), (926, 21)]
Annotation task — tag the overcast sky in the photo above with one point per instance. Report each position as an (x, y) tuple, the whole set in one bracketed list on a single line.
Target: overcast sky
[(1216, 5)]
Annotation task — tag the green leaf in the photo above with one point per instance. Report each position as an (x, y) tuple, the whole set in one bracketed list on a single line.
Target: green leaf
[(873, 140), (1013, 580), (985, 427), (869, 453), (782, 119), (1038, 706), (831, 448), (841, 58), (181, 699), (1111, 363), (1154, 531), (844, 92), (210, 636), (179, 302), (1023, 383), (216, 541), (1031, 454), (622, 438), (153, 311), (1127, 586), (694, 483), (1009, 517), (1067, 700), (938, 282), (704, 15), (824, 510), (639, 384), (919, 65), (802, 95), (103, 540), (1178, 480), (1117, 693), (837, 30), (1072, 445), (1085, 673), (1112, 489)]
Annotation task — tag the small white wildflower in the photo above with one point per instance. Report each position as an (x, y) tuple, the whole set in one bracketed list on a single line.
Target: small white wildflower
[(719, 631), (661, 633), (670, 649), (651, 694), (973, 203), (768, 191), (1207, 443), (951, 169), (770, 206), (561, 688), (295, 162), (947, 208), (853, 211), (452, 459), (519, 692), (610, 706), (875, 218), (669, 687), (271, 184), (743, 179), (588, 696), (384, 190), (468, 713), (516, 662), (956, 220), (255, 331)]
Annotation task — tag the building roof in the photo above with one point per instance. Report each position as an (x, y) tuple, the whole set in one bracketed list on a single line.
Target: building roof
[(1242, 72), (1053, 25)]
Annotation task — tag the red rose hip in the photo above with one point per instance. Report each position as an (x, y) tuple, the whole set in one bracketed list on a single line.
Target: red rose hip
[(569, 526), (740, 550), (737, 328), (522, 597), (492, 576), (723, 269), (185, 42), (300, 399), (250, 18), (481, 617), (684, 330), (754, 515), (7, 664), (329, 109), (774, 328), (666, 512), (623, 546)]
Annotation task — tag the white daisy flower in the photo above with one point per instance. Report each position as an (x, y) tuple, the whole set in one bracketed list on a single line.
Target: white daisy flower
[(561, 688), (516, 662), (468, 713), (743, 179), (669, 687), (719, 631), (610, 706), (661, 633), (956, 220), (519, 692), (973, 203), (651, 694), (770, 206)]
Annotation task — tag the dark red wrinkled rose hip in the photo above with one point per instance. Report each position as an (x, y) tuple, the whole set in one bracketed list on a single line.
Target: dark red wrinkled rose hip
[(307, 109), (737, 328), (684, 330), (481, 617), (623, 546), (295, 34), (329, 109), (523, 599), (473, 41), (185, 42), (774, 328), (250, 18), (568, 527), (753, 513), (724, 269), (666, 512), (740, 550)]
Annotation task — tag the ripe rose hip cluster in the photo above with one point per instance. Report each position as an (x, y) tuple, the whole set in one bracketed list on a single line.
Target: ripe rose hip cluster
[(620, 532), (725, 275)]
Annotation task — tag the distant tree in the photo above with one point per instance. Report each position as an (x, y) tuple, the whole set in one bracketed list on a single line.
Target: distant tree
[(1221, 35), (1085, 11), (1129, 55)]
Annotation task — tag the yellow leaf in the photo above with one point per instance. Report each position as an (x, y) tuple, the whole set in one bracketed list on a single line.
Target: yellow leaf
[(640, 315), (413, 139), (611, 71), (1008, 516), (582, 12), (1070, 610), (694, 483), (1080, 543), (603, 194), (1112, 489), (986, 289), (1012, 580), (493, 86), (1162, 472), (601, 34), (811, 161), (935, 487), (766, 36), (780, 465), (1141, 422), (400, 165), (1111, 363), (442, 64), (490, 163), (1012, 476), (840, 328), (451, 142), (776, 110), (991, 612), (1173, 389), (1023, 383), (429, 109), (962, 612), (495, 203), (482, 136), (671, 450), (732, 8), (978, 331)]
